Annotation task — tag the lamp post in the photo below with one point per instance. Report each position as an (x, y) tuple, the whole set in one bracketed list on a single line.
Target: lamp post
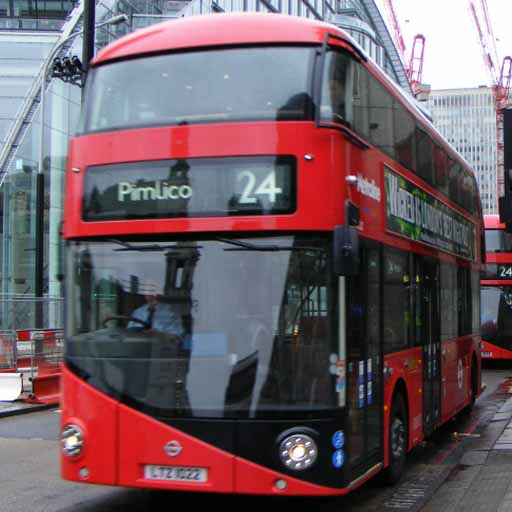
[(89, 29), (39, 207)]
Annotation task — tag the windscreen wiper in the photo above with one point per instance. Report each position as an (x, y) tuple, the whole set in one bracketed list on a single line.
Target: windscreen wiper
[(149, 247), (248, 246)]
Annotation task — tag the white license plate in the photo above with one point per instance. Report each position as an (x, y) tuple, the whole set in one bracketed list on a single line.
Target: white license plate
[(486, 354), (175, 473)]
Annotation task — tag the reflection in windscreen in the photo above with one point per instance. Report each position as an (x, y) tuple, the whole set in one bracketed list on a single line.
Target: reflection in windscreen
[(218, 85), (496, 315), (204, 328)]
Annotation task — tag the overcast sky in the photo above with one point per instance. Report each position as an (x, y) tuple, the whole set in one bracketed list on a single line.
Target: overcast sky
[(453, 56)]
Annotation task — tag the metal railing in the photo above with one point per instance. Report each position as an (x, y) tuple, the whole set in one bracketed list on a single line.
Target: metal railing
[(34, 351), (36, 354), (20, 312), (8, 352)]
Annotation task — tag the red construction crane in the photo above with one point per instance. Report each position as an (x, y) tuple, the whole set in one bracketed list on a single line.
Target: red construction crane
[(413, 64), (500, 76)]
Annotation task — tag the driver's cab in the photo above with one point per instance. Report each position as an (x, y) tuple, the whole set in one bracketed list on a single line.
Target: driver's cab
[(170, 292)]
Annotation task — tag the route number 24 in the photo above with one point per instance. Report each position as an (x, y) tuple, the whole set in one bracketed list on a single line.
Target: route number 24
[(505, 272), (253, 187)]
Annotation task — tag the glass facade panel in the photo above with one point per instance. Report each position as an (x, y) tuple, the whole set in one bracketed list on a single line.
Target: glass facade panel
[(9, 107), (15, 67), (15, 86), (32, 51), (4, 127)]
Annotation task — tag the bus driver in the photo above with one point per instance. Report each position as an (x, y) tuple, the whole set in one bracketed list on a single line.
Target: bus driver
[(156, 315)]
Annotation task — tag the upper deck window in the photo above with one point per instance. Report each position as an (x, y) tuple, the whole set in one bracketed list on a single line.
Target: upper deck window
[(257, 83), (497, 240), (336, 102)]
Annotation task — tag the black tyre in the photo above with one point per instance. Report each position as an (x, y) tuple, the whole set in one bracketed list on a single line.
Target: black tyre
[(474, 383), (474, 389), (397, 441)]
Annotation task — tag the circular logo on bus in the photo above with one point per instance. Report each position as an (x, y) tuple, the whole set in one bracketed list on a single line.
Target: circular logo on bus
[(173, 448)]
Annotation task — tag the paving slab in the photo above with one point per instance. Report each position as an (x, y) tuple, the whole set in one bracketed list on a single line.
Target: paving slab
[(488, 436), (488, 489), (474, 458), (500, 456), (502, 416), (507, 446)]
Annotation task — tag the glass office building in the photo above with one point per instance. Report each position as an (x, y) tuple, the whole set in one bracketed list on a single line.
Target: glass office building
[(467, 118), (30, 30)]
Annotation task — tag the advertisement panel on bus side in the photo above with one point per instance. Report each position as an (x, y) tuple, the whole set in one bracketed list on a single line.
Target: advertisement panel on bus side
[(414, 213)]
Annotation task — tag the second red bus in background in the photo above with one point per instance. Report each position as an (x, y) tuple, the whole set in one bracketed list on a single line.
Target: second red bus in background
[(496, 290)]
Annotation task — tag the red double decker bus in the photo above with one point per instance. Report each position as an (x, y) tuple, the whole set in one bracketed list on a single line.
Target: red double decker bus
[(496, 291), (272, 264)]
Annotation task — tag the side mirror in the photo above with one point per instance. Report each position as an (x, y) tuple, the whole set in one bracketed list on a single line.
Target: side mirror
[(346, 251)]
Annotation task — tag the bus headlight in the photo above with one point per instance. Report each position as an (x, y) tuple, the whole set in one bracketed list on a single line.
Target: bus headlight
[(298, 452), (72, 440)]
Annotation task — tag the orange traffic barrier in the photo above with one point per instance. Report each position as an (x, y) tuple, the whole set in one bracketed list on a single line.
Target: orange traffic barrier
[(45, 389), (39, 357)]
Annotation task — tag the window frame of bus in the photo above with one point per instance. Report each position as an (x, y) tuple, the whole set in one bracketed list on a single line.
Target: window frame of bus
[(450, 186), (84, 123), (334, 41)]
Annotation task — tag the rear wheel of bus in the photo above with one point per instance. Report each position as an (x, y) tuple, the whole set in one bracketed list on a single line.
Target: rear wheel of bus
[(397, 440)]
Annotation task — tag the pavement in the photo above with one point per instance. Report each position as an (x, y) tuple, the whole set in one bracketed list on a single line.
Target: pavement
[(481, 480), (20, 407)]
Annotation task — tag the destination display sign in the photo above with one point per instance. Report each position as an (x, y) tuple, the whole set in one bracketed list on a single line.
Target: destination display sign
[(196, 187), (414, 213)]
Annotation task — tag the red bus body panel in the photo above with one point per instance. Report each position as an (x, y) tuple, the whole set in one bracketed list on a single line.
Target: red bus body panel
[(407, 366), (141, 441), (253, 479), (96, 414), (119, 441), (319, 183), (456, 358)]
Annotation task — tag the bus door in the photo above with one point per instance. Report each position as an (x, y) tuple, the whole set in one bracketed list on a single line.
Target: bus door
[(364, 363), (427, 322)]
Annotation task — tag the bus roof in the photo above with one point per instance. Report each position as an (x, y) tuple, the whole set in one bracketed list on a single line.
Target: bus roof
[(237, 28), (493, 222), (246, 28)]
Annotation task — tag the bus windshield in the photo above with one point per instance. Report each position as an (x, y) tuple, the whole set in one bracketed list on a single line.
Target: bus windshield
[(265, 83), (204, 328), (496, 315)]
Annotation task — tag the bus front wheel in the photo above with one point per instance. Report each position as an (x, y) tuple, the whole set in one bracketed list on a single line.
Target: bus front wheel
[(397, 440)]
